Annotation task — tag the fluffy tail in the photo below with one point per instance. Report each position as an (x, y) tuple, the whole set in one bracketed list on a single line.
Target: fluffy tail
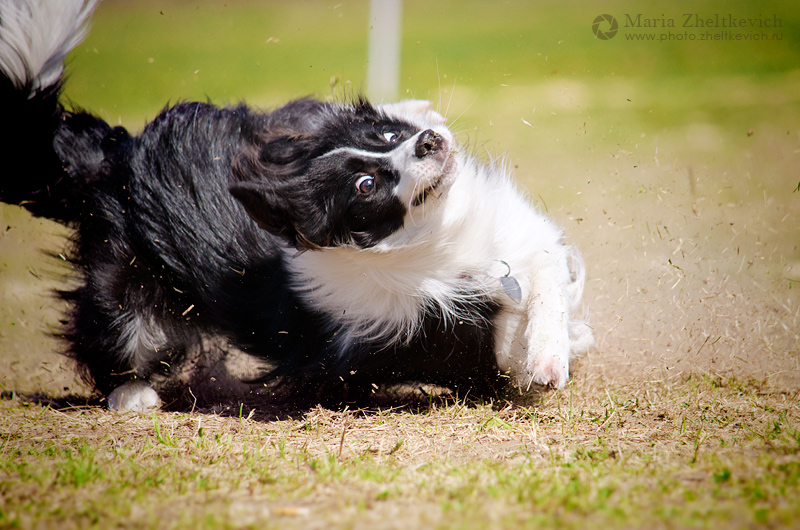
[(47, 155)]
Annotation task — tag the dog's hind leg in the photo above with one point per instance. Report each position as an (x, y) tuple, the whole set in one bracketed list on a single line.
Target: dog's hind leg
[(118, 352), (140, 340), (581, 335)]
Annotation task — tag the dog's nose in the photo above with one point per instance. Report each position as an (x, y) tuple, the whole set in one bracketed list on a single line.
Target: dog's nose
[(427, 143)]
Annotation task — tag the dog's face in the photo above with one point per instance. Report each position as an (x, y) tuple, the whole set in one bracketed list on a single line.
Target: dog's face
[(338, 174)]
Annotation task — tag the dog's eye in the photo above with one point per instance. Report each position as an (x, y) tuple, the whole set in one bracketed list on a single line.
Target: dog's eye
[(365, 185), (391, 137)]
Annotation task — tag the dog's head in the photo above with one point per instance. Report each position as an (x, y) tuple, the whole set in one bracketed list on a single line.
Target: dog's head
[(330, 174)]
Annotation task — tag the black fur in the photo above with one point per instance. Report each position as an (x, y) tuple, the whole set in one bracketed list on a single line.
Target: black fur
[(181, 226)]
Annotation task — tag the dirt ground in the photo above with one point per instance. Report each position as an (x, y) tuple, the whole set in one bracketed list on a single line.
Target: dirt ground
[(685, 279), (693, 266)]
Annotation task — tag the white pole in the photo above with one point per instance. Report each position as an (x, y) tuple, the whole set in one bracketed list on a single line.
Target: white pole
[(383, 59)]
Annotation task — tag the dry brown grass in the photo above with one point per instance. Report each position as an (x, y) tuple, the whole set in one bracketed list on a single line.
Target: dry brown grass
[(697, 452)]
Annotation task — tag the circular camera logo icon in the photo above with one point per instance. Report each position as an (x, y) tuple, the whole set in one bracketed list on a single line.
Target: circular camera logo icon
[(605, 34)]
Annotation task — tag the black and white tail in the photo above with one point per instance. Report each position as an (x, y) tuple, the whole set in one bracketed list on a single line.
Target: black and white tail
[(40, 168)]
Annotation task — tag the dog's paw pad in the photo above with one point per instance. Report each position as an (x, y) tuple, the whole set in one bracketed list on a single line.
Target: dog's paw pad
[(135, 396)]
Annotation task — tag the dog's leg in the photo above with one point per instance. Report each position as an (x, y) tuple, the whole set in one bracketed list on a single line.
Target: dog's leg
[(581, 335), (547, 330), (143, 343), (509, 344), (117, 351)]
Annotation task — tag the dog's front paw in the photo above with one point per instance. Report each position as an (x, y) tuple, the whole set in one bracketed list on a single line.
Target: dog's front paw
[(552, 372), (135, 396), (548, 359)]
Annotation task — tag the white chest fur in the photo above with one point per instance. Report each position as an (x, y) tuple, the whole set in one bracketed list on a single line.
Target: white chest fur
[(448, 249)]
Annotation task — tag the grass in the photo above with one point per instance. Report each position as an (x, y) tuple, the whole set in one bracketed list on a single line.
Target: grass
[(672, 166), (700, 452)]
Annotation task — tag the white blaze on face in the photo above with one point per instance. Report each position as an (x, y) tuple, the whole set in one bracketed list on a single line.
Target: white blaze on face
[(426, 164), (433, 172)]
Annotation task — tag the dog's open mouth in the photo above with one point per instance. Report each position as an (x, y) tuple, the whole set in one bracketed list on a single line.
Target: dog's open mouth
[(438, 183), (419, 199)]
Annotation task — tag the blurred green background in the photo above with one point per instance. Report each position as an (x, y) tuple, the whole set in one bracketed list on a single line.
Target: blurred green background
[(523, 78), (141, 54)]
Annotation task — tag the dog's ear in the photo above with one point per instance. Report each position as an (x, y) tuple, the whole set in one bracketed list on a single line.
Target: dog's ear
[(262, 168), (266, 206), (267, 172), (284, 149), (414, 109), (272, 155), (281, 215)]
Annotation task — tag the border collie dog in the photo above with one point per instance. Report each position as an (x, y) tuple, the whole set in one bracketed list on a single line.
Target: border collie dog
[(339, 245)]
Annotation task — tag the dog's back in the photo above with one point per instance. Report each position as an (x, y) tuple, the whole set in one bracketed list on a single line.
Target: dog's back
[(151, 211)]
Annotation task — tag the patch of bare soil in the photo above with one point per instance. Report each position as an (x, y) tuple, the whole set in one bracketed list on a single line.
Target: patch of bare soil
[(692, 277)]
